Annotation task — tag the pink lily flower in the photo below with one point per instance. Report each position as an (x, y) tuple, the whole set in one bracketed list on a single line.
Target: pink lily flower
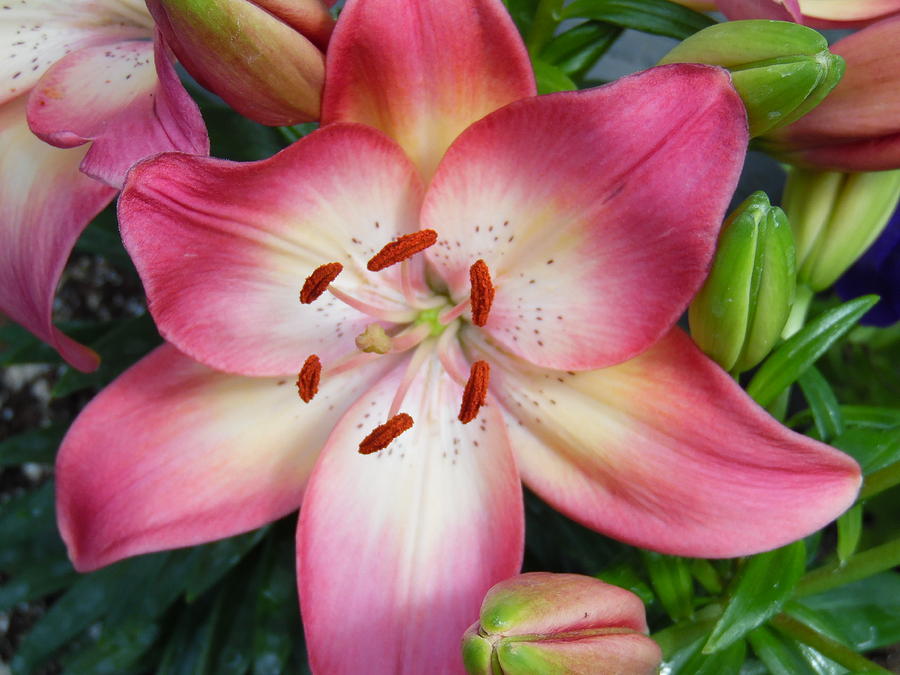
[(857, 126), (491, 283), (87, 78), (815, 13)]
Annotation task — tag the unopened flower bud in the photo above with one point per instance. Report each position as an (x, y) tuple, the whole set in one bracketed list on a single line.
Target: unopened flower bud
[(264, 57), (542, 623), (780, 69), (741, 310), (835, 218)]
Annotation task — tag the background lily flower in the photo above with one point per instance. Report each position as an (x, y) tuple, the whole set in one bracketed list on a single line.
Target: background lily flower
[(527, 258), (264, 57), (815, 13), (87, 78), (857, 126)]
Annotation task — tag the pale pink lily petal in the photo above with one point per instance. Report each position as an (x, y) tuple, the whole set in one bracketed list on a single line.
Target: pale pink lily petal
[(596, 212), (37, 33), (815, 13), (111, 95), (423, 70), (396, 550), (174, 454), (668, 453), (46, 203), (223, 248), (856, 127), (761, 9)]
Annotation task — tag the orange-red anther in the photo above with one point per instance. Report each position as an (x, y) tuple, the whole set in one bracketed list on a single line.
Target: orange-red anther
[(475, 392), (382, 436), (317, 282), (308, 379), (402, 248), (482, 296)]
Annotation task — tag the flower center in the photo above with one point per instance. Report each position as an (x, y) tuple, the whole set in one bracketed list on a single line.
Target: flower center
[(424, 327)]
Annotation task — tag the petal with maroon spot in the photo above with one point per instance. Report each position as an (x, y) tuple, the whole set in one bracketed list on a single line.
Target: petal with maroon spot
[(667, 452), (37, 33), (396, 550), (111, 95), (224, 248), (174, 454), (596, 212), (47, 202), (423, 70)]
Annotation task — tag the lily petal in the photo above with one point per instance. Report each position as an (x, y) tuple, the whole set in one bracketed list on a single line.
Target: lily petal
[(47, 202), (597, 212), (37, 33), (223, 248), (423, 70), (816, 13), (675, 456), (760, 9), (393, 565), (174, 454), (111, 95)]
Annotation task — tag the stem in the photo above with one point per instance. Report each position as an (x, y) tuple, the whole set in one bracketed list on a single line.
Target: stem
[(862, 565), (881, 480), (823, 644), (543, 26), (799, 310)]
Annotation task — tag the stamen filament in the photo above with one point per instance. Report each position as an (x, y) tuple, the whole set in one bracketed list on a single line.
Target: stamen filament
[(399, 316), (349, 362), (445, 354), (409, 338), (383, 434), (401, 248), (415, 363), (475, 393), (454, 313)]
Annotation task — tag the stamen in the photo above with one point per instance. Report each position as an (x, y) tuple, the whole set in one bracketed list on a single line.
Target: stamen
[(475, 392), (382, 435), (402, 248), (399, 316), (453, 313), (318, 282), (482, 292), (308, 379), (412, 368)]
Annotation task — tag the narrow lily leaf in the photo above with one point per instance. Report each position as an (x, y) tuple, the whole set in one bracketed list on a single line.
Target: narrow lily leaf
[(522, 12), (873, 448), (23, 516), (551, 79), (781, 657), (706, 574), (190, 645), (725, 662), (856, 416), (649, 16), (760, 589), (117, 648), (671, 579), (823, 403), (236, 653), (624, 576), (849, 528), (577, 50), (36, 581), (866, 613), (801, 350), (209, 563), (276, 621), (32, 446)]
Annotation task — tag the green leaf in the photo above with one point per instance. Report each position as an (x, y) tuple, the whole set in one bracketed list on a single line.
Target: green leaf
[(575, 51), (649, 16), (865, 612), (671, 579), (551, 79), (102, 238), (873, 448), (239, 609), (781, 656), (796, 354), (758, 592), (849, 528), (522, 12), (122, 344), (17, 345), (32, 446), (868, 417), (277, 622), (116, 649), (189, 647), (24, 516), (624, 576), (37, 580), (725, 662), (209, 563), (706, 574), (822, 402)]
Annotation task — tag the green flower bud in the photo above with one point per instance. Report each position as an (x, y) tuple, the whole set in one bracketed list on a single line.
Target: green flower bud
[(541, 623), (835, 218), (781, 70), (741, 310)]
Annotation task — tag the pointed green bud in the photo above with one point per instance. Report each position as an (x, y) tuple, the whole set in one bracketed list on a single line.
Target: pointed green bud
[(835, 218), (541, 623), (781, 70), (739, 314)]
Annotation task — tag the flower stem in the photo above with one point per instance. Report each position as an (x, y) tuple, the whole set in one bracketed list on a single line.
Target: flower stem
[(862, 565), (879, 481), (823, 644), (543, 26)]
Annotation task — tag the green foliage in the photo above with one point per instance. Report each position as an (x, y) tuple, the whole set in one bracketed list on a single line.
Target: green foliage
[(649, 16)]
